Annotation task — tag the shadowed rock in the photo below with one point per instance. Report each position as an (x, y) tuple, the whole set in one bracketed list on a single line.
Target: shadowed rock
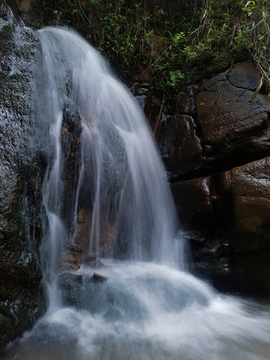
[(179, 145), (251, 192)]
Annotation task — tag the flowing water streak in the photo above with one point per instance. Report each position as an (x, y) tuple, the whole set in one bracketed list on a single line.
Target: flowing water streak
[(56, 234), (129, 182)]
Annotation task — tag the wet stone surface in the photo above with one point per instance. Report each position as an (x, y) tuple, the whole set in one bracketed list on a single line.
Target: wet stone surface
[(20, 179), (179, 145)]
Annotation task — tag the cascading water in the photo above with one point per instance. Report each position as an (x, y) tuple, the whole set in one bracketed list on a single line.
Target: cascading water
[(148, 308), (127, 187)]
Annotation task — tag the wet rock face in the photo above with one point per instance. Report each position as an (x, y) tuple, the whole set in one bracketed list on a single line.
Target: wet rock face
[(225, 220), (26, 149), (233, 113), (180, 147), (216, 154), (231, 119), (193, 203), (71, 148), (204, 207), (217, 126), (20, 179), (251, 191)]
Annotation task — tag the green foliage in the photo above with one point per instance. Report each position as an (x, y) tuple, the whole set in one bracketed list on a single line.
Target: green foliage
[(169, 45), (235, 30)]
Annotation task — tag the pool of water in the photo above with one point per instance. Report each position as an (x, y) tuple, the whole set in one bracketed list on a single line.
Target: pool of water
[(150, 312)]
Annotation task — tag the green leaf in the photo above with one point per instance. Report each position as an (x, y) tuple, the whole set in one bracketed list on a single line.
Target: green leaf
[(250, 2), (256, 91)]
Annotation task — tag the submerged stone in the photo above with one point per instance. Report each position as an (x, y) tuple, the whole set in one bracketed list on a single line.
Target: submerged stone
[(98, 278), (70, 286)]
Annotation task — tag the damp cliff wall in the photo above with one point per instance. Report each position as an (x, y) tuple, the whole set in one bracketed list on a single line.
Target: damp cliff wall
[(215, 145), (20, 179)]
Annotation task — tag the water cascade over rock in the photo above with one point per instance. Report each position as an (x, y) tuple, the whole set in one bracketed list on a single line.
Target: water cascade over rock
[(104, 194), (116, 179)]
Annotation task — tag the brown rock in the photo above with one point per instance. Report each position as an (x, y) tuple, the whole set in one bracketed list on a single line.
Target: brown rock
[(229, 117), (229, 113), (73, 256), (98, 278), (180, 146), (251, 192), (193, 203), (71, 147), (83, 230), (224, 181), (71, 259), (77, 254)]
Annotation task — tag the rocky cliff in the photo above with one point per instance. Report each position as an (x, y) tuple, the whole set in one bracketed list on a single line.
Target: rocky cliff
[(216, 148), (26, 151), (20, 179)]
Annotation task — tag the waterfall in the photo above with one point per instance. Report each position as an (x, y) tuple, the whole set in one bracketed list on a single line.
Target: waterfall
[(128, 190), (149, 308)]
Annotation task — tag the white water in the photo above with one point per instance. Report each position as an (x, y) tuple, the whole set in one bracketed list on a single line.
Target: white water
[(120, 162), (149, 309)]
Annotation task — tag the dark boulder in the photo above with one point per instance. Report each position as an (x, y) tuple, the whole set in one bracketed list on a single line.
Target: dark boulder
[(232, 119), (180, 146), (251, 193), (223, 196), (225, 220), (193, 203)]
